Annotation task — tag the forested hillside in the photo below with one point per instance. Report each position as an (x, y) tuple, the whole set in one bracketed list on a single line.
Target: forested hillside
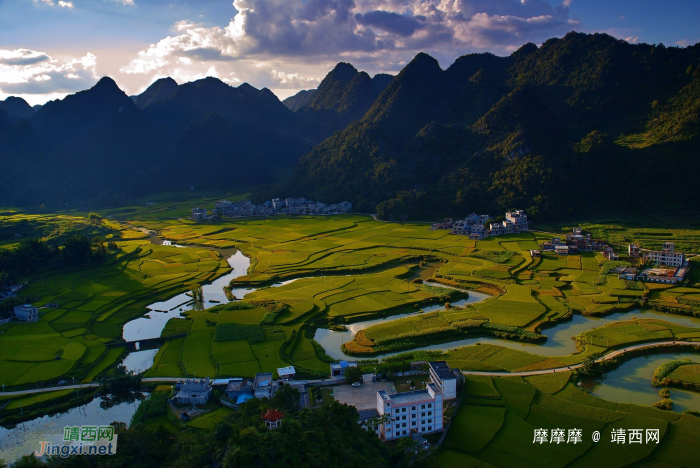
[(581, 123)]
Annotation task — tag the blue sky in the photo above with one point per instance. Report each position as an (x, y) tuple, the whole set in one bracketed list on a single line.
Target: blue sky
[(49, 48)]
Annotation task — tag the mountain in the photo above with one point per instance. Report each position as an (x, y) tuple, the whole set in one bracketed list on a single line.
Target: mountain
[(16, 107), (98, 146), (573, 125), (294, 103), (159, 90), (343, 96), (62, 120)]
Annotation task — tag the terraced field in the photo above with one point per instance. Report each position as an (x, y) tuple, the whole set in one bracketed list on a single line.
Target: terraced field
[(94, 302), (496, 423)]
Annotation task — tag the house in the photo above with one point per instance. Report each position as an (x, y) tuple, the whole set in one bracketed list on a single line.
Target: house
[(610, 254), (410, 412), (629, 273), (535, 253), (442, 376), (286, 372), (26, 313), (193, 392), (561, 249), (365, 416), (663, 274), (667, 256), (583, 242), (239, 390), (465, 227), (446, 224), (199, 214), (338, 368), (518, 218), (273, 418), (633, 250), (264, 386)]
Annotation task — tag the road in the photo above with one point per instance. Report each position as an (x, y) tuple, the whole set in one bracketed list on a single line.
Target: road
[(576, 366), (333, 381)]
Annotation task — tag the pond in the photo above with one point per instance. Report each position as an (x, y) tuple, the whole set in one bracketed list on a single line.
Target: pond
[(24, 438), (631, 383)]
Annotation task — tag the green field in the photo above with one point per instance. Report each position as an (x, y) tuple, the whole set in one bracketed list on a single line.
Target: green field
[(483, 434)]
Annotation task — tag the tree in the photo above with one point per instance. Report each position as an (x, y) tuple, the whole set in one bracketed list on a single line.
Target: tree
[(353, 374), (197, 292), (77, 250), (287, 399)]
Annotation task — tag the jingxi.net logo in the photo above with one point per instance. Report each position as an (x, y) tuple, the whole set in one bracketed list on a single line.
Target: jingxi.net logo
[(82, 440)]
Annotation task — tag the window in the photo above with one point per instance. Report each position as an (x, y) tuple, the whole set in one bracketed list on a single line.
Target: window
[(413, 408), (422, 414), (430, 428), (422, 406), (404, 425), (430, 405), (388, 430), (403, 417), (430, 413), (413, 423), (429, 421), (403, 410), (397, 411)]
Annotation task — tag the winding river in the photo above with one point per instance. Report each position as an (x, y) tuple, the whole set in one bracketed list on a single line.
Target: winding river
[(629, 383)]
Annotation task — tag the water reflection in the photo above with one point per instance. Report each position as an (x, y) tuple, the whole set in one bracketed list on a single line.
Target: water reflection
[(140, 361), (24, 438), (631, 383)]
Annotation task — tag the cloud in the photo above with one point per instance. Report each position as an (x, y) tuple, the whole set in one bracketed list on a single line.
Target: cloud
[(25, 71), (63, 4), (684, 43), (292, 80), (632, 40), (47, 2), (314, 30), (125, 2)]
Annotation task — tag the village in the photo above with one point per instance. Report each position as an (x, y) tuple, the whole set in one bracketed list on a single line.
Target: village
[(656, 266), (413, 410), (288, 206)]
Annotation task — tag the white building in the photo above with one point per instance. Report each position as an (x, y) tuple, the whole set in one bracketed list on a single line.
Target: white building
[(472, 224), (286, 372), (667, 256), (419, 411), (518, 218), (26, 313), (199, 213), (194, 392), (444, 378)]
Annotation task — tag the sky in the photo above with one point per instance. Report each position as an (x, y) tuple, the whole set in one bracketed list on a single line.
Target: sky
[(51, 48)]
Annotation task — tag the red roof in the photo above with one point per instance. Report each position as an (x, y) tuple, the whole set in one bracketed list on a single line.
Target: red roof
[(273, 415)]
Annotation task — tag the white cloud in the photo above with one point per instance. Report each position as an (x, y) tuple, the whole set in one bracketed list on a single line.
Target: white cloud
[(125, 2), (47, 2), (283, 43), (25, 71), (632, 40), (63, 4)]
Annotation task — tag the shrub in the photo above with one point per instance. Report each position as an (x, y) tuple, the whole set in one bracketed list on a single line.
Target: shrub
[(665, 369)]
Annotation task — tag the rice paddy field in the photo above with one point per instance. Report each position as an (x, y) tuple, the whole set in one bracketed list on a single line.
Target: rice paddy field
[(496, 424), (336, 269)]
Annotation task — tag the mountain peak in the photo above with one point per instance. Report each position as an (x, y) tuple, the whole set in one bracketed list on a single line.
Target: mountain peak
[(159, 90), (106, 83), (16, 107), (343, 72)]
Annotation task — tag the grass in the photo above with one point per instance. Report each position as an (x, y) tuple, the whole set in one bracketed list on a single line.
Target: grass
[(473, 427), (210, 420)]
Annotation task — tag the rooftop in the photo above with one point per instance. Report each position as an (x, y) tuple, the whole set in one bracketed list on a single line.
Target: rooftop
[(442, 370), (273, 415), (286, 370), (414, 396), (368, 413)]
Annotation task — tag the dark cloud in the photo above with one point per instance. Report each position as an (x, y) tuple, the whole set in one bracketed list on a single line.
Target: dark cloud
[(25, 59), (391, 22)]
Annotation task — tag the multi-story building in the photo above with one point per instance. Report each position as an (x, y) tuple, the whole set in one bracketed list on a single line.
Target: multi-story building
[(26, 313), (466, 226), (667, 256), (518, 218), (445, 224), (417, 411), (633, 250), (583, 242), (199, 213), (194, 392), (444, 378)]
